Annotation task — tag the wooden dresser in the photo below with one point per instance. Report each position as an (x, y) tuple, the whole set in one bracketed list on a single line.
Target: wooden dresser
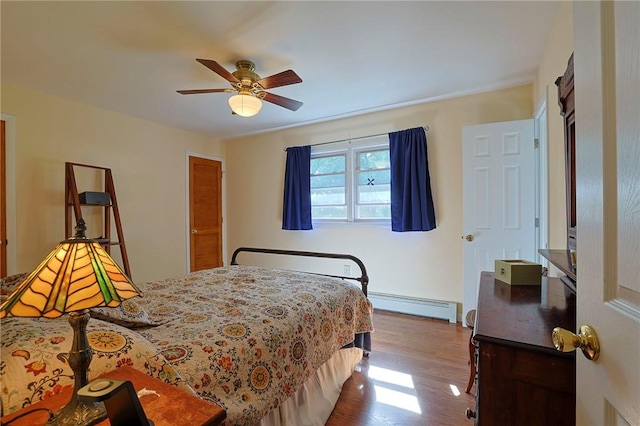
[(521, 378)]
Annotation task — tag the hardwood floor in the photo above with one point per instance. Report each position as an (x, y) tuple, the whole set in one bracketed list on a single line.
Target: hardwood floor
[(412, 376)]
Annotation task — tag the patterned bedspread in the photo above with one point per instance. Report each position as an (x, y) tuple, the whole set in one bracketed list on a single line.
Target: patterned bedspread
[(34, 364), (243, 337), (247, 337)]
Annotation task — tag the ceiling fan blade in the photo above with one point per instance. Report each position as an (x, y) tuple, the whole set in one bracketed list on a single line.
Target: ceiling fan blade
[(291, 104), (198, 91), (219, 69), (281, 79)]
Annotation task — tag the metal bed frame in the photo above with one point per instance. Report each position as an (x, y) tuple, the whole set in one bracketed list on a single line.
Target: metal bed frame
[(363, 279)]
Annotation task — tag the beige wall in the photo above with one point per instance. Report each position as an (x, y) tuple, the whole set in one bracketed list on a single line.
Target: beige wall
[(148, 161), (415, 264), (553, 64)]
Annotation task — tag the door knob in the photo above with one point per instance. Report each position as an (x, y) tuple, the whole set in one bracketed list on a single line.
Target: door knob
[(194, 231), (469, 238), (586, 339)]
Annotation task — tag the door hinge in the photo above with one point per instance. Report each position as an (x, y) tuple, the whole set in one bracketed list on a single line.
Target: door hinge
[(536, 143), (537, 222)]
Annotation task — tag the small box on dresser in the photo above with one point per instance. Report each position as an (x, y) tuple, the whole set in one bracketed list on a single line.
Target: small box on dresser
[(518, 272)]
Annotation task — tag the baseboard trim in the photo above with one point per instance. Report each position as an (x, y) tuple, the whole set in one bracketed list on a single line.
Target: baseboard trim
[(415, 306)]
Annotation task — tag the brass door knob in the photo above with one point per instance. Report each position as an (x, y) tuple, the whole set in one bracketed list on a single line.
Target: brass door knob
[(194, 231), (586, 339), (469, 238)]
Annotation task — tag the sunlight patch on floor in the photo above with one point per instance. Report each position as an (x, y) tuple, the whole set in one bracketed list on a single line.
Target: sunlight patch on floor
[(397, 399), (385, 379), (454, 390), (390, 376)]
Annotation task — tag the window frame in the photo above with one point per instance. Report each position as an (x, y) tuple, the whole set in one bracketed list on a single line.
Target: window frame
[(351, 149)]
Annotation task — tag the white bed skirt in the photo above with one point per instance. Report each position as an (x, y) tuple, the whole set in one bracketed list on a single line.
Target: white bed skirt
[(312, 404)]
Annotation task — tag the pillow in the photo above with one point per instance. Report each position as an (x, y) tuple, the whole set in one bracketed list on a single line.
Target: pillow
[(9, 284), (129, 314), (35, 365)]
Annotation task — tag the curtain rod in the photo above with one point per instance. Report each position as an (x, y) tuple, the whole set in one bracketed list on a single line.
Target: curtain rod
[(426, 129)]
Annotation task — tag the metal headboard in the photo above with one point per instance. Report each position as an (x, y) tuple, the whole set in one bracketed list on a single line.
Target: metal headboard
[(363, 279)]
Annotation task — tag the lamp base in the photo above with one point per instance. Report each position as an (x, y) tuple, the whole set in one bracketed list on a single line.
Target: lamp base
[(79, 413)]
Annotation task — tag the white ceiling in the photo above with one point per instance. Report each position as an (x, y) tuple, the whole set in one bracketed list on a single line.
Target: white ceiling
[(353, 57)]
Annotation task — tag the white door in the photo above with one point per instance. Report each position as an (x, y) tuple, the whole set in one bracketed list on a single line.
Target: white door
[(607, 91), (498, 199)]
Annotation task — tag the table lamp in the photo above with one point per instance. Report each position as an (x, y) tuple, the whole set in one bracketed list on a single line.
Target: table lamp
[(76, 276)]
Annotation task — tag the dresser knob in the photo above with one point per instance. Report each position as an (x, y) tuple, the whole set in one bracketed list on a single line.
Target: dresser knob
[(470, 413)]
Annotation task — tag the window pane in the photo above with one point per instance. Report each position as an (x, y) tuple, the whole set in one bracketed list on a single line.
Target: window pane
[(325, 212), (374, 178), (371, 160), (374, 194), (374, 212), (327, 165), (328, 181), (328, 191), (328, 196)]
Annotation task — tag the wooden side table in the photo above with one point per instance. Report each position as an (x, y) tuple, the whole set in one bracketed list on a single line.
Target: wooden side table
[(171, 407)]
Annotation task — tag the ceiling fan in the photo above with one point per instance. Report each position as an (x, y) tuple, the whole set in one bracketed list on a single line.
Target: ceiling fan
[(250, 87)]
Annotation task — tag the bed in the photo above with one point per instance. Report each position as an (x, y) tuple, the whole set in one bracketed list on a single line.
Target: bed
[(271, 346)]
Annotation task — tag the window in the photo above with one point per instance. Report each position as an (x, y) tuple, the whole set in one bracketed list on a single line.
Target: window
[(351, 184), (329, 187)]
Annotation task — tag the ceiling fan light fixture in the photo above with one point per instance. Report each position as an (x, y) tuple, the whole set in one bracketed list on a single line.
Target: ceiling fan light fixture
[(245, 105)]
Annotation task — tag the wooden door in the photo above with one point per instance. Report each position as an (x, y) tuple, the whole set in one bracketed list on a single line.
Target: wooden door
[(205, 213), (498, 198), (3, 203), (607, 93)]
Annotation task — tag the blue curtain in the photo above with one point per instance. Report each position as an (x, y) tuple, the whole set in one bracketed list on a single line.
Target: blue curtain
[(411, 200), (296, 211)]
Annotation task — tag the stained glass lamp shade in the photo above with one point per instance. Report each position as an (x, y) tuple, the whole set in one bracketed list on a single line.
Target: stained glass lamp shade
[(76, 276)]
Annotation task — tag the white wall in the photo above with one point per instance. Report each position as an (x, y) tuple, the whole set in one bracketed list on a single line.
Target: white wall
[(424, 265), (148, 164), (557, 51)]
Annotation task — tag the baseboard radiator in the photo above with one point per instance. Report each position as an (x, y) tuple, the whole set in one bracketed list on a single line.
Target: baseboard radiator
[(415, 306)]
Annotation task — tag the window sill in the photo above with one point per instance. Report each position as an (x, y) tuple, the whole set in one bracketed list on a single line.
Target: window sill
[(359, 224)]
